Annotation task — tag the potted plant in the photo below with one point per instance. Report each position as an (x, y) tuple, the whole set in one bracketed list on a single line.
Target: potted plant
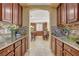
[(13, 28)]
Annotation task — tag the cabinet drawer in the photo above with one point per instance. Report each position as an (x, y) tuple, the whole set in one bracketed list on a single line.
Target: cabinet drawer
[(11, 54), (1, 51), (71, 50), (18, 51), (67, 53), (7, 50), (58, 50), (59, 42), (17, 43), (23, 40)]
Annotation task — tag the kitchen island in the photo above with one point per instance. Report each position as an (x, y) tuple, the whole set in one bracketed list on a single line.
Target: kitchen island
[(62, 46), (14, 47)]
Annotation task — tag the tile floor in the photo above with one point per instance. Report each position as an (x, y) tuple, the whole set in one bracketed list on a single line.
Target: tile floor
[(40, 47)]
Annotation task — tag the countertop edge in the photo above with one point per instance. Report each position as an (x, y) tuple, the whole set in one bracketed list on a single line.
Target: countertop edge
[(12, 42), (71, 45)]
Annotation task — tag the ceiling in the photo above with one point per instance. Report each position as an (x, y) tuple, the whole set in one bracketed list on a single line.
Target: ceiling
[(46, 4)]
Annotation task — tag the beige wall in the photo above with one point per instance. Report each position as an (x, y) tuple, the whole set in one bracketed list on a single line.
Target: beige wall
[(53, 17), (25, 17), (53, 14), (53, 20)]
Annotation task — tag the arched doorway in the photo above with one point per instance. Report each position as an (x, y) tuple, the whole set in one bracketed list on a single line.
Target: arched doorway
[(39, 20)]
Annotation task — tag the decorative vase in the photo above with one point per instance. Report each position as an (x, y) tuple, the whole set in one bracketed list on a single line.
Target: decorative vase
[(13, 36)]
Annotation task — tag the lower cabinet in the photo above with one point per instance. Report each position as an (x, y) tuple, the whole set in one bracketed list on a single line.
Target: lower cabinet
[(18, 48), (59, 48), (23, 46), (71, 50), (11, 53), (18, 51), (53, 45), (6, 51), (66, 53)]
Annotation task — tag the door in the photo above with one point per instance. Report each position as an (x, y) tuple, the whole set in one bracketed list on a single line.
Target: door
[(67, 53), (7, 12), (71, 12), (15, 13), (20, 16), (53, 46), (24, 46), (0, 11), (63, 13), (18, 51), (58, 50)]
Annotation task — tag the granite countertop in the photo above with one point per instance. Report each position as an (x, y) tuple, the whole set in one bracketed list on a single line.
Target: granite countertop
[(10, 41), (68, 42)]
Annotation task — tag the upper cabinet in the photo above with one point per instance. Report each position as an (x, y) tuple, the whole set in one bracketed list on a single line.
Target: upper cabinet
[(20, 16), (0, 12), (63, 13), (15, 13), (68, 13), (7, 12), (11, 12), (72, 12), (58, 15)]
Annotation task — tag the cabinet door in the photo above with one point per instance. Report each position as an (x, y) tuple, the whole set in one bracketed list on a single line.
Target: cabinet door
[(71, 12), (58, 16), (15, 13), (20, 16), (18, 51), (0, 11), (11, 53), (67, 53), (63, 13), (23, 46), (58, 50), (53, 45), (71, 50), (7, 12)]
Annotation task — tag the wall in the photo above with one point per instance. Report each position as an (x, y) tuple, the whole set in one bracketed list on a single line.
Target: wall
[(53, 19), (25, 16), (53, 16)]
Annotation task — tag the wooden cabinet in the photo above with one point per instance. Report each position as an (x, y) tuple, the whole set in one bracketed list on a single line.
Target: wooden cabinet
[(59, 48), (15, 13), (7, 12), (23, 46), (66, 53), (71, 50), (11, 12), (71, 12), (20, 16), (6, 50), (58, 16), (18, 48), (63, 13), (11, 53), (0, 11), (18, 51), (53, 47), (67, 13)]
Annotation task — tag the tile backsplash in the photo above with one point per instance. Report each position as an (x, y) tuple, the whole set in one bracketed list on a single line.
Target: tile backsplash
[(3, 27)]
